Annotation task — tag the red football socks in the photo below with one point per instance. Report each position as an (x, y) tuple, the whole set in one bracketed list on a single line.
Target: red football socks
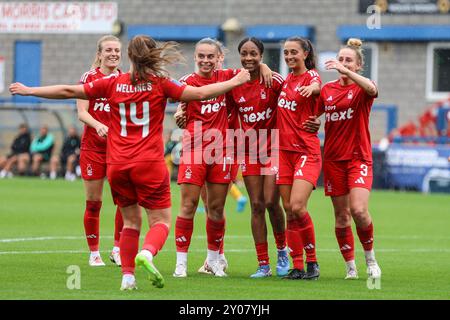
[(155, 238), (295, 244), (308, 237), (366, 237), (91, 223), (129, 246), (280, 239), (118, 226), (215, 231), (183, 233), (221, 242), (262, 253), (346, 242)]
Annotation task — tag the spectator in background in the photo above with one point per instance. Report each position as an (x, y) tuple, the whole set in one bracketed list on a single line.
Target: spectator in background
[(19, 153), (41, 149), (68, 157)]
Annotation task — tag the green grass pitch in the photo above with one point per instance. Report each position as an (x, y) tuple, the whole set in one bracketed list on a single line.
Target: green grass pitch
[(41, 235)]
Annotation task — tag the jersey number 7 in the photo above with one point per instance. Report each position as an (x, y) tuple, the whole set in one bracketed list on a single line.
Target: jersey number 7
[(144, 121)]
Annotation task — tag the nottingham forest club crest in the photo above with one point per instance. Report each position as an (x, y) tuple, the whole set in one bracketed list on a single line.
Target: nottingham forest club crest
[(188, 173), (263, 94), (89, 170), (329, 187), (350, 95)]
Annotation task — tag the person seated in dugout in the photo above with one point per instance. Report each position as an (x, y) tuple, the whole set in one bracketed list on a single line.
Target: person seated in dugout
[(19, 155), (68, 157), (41, 149)]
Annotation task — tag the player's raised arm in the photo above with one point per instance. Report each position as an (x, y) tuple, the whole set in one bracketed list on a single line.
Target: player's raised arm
[(49, 92), (215, 89)]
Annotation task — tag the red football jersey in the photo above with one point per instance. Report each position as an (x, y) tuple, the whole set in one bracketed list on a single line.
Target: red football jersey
[(233, 116), (257, 105), (99, 110), (293, 110), (212, 113), (137, 114), (347, 110)]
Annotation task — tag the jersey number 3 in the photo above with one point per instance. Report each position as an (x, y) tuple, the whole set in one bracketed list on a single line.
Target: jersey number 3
[(144, 121)]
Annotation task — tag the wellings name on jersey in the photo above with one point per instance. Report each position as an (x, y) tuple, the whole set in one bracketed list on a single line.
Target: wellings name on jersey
[(337, 115), (212, 107), (287, 104), (102, 105), (128, 88)]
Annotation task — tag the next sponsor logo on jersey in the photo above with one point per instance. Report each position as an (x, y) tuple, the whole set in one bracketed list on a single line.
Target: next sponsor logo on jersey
[(102, 105), (338, 115), (255, 116), (286, 104), (212, 107)]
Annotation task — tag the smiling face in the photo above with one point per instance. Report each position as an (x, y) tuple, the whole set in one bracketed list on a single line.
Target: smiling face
[(206, 57), (349, 59), (294, 55), (250, 56), (110, 54)]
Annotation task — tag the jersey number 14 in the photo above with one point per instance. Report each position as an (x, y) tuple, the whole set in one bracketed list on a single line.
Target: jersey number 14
[(144, 121)]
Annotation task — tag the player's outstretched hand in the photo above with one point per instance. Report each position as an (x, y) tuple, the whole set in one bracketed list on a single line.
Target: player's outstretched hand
[(19, 88), (265, 76), (180, 115), (102, 130), (306, 91), (243, 76), (312, 124)]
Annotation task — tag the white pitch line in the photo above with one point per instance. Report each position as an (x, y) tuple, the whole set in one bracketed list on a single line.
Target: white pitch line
[(399, 237), (44, 239), (422, 250)]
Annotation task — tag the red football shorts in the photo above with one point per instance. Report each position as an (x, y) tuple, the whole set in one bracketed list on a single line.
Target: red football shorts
[(92, 165), (146, 183), (341, 176), (198, 174), (254, 167), (296, 165)]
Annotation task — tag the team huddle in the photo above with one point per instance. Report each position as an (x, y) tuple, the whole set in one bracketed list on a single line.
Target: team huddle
[(274, 141)]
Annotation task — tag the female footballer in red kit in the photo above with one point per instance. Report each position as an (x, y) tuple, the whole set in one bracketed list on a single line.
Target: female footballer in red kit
[(95, 114), (256, 106), (299, 155), (196, 170), (346, 103), (135, 154)]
